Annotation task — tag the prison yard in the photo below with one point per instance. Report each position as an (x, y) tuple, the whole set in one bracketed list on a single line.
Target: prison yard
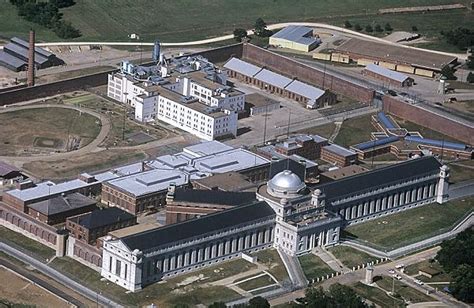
[(39, 130), (313, 267), (414, 225), (351, 257)]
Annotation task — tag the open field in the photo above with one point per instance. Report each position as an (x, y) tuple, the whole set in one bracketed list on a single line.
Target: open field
[(323, 130), (19, 292), (45, 130), (354, 131), (189, 289), (413, 269), (24, 242), (351, 257), (424, 131), (255, 283), (407, 293), (459, 173), (271, 259), (376, 295), (314, 267), (412, 225), (189, 20)]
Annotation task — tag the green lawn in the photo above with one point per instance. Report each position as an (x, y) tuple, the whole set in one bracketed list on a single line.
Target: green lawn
[(424, 131), (409, 294), (351, 257), (188, 20), (376, 296), (271, 259), (164, 294), (314, 267), (413, 225), (323, 130), (40, 250), (259, 282), (460, 173), (355, 130)]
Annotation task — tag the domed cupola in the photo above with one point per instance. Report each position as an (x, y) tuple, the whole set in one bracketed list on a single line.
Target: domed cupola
[(286, 184)]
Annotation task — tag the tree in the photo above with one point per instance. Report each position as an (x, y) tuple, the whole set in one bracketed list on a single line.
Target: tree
[(258, 302), (388, 27), (470, 77), (457, 251), (347, 24), (217, 305), (357, 27), (414, 28), (261, 28), (62, 3), (462, 284), (66, 30), (378, 28), (337, 296), (239, 34), (448, 72), (470, 61), (369, 28)]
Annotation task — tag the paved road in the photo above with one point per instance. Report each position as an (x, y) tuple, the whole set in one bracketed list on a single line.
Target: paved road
[(45, 269), (250, 32), (461, 190)]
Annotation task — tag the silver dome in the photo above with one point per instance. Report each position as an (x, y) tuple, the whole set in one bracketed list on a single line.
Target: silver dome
[(285, 184)]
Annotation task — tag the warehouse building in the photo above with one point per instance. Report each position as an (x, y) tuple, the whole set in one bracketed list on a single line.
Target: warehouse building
[(298, 38), (14, 56), (312, 97), (284, 214), (388, 76)]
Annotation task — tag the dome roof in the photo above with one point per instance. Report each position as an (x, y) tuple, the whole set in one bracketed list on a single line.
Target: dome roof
[(285, 184)]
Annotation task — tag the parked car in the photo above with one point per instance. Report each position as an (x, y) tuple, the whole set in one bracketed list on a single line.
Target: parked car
[(399, 266), (391, 271), (398, 277), (418, 282)]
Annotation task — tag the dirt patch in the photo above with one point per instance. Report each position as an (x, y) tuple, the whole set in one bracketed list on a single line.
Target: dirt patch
[(22, 291)]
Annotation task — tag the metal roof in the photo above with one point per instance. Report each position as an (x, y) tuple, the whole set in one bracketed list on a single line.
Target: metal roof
[(272, 78), (60, 204), (297, 34), (370, 180), (26, 44), (380, 70), (214, 197), (6, 169), (242, 67), (386, 122), (10, 60), (437, 143), (334, 148), (306, 90), (207, 148), (102, 217), (17, 49), (375, 143)]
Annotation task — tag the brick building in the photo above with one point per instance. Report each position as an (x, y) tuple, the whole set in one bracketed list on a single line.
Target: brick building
[(338, 155)]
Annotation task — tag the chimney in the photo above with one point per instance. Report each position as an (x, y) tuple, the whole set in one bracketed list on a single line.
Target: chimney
[(31, 60)]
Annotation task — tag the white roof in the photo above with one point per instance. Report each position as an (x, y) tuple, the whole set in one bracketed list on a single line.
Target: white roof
[(306, 90), (242, 67), (273, 79), (234, 160), (380, 70), (207, 148), (339, 150)]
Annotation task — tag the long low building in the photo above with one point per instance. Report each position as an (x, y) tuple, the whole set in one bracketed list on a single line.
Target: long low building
[(388, 76), (268, 80), (295, 37), (285, 214)]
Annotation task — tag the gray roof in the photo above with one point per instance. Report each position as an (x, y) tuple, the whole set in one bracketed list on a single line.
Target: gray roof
[(242, 67), (305, 90), (17, 49), (380, 70), (296, 34), (26, 44), (207, 148), (60, 204), (102, 217), (334, 148), (218, 197), (273, 79), (10, 60), (6, 169)]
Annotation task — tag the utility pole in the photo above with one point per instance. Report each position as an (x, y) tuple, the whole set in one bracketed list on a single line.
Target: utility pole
[(123, 126), (373, 153), (289, 121), (265, 125)]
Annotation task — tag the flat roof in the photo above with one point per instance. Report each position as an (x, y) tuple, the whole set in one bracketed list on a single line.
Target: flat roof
[(380, 70), (305, 90), (259, 100), (60, 204), (228, 181), (102, 217), (334, 148), (273, 78), (207, 148), (344, 172), (391, 53), (242, 67), (297, 34), (218, 197), (134, 229), (233, 160)]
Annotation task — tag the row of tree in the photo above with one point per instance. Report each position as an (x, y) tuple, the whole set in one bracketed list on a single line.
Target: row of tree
[(260, 30), (47, 14), (369, 28), (457, 258), (463, 38)]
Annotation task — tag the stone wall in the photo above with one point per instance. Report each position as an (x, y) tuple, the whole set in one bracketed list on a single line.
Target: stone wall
[(305, 73), (428, 119)]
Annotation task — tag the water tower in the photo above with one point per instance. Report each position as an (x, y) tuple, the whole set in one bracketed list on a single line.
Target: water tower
[(156, 51), (442, 85)]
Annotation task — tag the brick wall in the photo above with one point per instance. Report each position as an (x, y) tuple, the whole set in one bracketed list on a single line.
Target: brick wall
[(428, 119)]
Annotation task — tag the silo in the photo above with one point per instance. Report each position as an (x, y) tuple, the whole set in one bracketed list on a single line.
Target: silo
[(156, 51)]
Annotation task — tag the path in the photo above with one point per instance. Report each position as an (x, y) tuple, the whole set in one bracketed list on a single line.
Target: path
[(250, 32), (330, 260), (293, 267), (336, 131)]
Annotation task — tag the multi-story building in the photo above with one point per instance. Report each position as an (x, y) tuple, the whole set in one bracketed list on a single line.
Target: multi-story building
[(285, 214), (338, 155)]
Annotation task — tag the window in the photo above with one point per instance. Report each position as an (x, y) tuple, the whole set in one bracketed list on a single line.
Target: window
[(118, 266)]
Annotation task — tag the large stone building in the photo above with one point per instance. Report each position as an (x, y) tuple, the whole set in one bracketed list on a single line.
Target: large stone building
[(285, 214)]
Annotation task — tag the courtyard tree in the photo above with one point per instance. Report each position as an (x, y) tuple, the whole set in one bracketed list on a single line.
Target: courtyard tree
[(378, 28), (347, 24), (240, 34), (388, 27), (448, 72), (470, 77), (357, 27), (261, 28), (414, 28), (369, 28)]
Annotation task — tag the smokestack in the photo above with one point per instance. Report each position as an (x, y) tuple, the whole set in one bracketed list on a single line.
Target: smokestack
[(31, 60)]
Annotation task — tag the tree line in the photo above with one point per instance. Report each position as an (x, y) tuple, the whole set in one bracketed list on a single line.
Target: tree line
[(47, 14)]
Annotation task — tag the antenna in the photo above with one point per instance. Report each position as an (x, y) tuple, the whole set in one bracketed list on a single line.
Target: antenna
[(289, 121)]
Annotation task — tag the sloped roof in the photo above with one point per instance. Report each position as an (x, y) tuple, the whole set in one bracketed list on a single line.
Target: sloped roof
[(380, 70), (60, 204), (273, 78), (242, 67), (102, 217), (214, 196), (305, 90)]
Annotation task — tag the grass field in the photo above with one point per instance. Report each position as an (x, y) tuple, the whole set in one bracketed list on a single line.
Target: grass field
[(376, 295), (323, 130), (354, 131), (189, 20), (163, 294), (351, 257), (314, 267), (424, 131), (459, 173), (271, 259), (255, 283), (40, 250), (25, 126), (407, 293), (412, 225)]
